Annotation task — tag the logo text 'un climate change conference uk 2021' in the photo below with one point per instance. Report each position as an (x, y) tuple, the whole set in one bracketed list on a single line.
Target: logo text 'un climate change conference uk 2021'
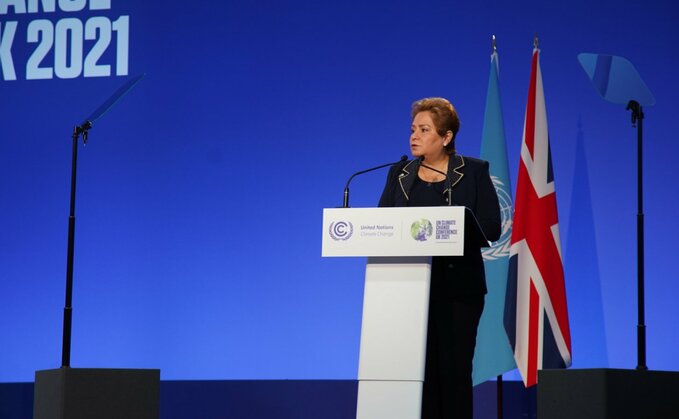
[(341, 230)]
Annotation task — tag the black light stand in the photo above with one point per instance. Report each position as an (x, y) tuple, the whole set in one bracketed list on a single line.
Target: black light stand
[(607, 392), (617, 81), (637, 120), (102, 393), (78, 130), (68, 308)]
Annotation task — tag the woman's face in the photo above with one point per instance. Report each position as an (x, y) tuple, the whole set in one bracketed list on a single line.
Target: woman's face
[(424, 140)]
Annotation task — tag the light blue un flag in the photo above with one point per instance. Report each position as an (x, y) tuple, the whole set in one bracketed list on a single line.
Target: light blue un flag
[(493, 354)]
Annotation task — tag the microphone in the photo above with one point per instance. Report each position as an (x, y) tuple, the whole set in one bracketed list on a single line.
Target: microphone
[(346, 188), (447, 184)]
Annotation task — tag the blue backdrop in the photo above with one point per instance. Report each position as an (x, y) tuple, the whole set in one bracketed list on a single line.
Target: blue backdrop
[(200, 194)]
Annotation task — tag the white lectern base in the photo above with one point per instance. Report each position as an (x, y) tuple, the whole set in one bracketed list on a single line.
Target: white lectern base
[(389, 399), (393, 338), (396, 299)]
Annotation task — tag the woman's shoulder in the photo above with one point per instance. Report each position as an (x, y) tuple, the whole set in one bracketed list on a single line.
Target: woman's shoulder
[(473, 164)]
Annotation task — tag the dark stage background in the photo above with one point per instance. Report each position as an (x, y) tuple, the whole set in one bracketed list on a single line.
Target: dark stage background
[(200, 193)]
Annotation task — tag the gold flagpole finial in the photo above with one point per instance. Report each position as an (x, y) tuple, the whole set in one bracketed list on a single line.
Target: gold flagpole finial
[(535, 41), (494, 44)]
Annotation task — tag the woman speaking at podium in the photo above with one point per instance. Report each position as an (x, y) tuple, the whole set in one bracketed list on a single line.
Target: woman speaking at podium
[(458, 285)]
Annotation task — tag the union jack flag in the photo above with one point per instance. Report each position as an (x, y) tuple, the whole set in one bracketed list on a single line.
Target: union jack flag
[(536, 314)]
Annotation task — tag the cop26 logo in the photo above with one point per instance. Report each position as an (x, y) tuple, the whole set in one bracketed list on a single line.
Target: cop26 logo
[(341, 230), (421, 230)]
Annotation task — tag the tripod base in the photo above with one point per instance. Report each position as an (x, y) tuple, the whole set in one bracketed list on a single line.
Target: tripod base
[(86, 393), (607, 393)]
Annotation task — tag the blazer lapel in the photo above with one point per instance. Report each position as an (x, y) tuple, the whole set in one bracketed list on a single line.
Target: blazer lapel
[(455, 171), (407, 176)]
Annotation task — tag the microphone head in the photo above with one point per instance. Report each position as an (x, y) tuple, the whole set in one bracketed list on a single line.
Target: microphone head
[(404, 157)]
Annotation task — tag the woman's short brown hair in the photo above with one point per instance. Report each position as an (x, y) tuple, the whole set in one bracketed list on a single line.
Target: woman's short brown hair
[(443, 114)]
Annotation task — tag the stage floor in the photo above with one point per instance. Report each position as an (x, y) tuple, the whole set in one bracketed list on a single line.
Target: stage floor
[(275, 399)]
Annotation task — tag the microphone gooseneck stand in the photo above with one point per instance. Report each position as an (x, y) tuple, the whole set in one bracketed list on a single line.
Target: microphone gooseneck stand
[(637, 121), (68, 309), (345, 203), (447, 185)]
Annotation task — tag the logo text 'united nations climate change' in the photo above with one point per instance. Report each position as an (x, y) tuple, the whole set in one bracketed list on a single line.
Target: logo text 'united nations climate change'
[(421, 230), (341, 230)]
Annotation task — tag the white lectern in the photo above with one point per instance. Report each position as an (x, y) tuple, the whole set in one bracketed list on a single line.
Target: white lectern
[(399, 243)]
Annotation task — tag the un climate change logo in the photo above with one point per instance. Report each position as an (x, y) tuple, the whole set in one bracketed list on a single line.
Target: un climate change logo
[(421, 230), (341, 230), (500, 248)]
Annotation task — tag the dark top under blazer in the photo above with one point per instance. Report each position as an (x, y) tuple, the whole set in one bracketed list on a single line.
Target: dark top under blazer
[(471, 187)]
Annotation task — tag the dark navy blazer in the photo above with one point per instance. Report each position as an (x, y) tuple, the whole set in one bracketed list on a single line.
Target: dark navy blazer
[(472, 187)]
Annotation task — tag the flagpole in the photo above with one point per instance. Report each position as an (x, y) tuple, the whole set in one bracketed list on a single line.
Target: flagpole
[(498, 385), (498, 391), (499, 402), (536, 221)]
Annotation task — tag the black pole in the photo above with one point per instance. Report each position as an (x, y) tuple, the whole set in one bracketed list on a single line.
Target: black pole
[(637, 120), (68, 309), (83, 130), (500, 413)]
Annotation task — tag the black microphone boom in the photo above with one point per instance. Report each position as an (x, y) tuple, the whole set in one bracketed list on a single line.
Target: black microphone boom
[(346, 188), (448, 186)]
